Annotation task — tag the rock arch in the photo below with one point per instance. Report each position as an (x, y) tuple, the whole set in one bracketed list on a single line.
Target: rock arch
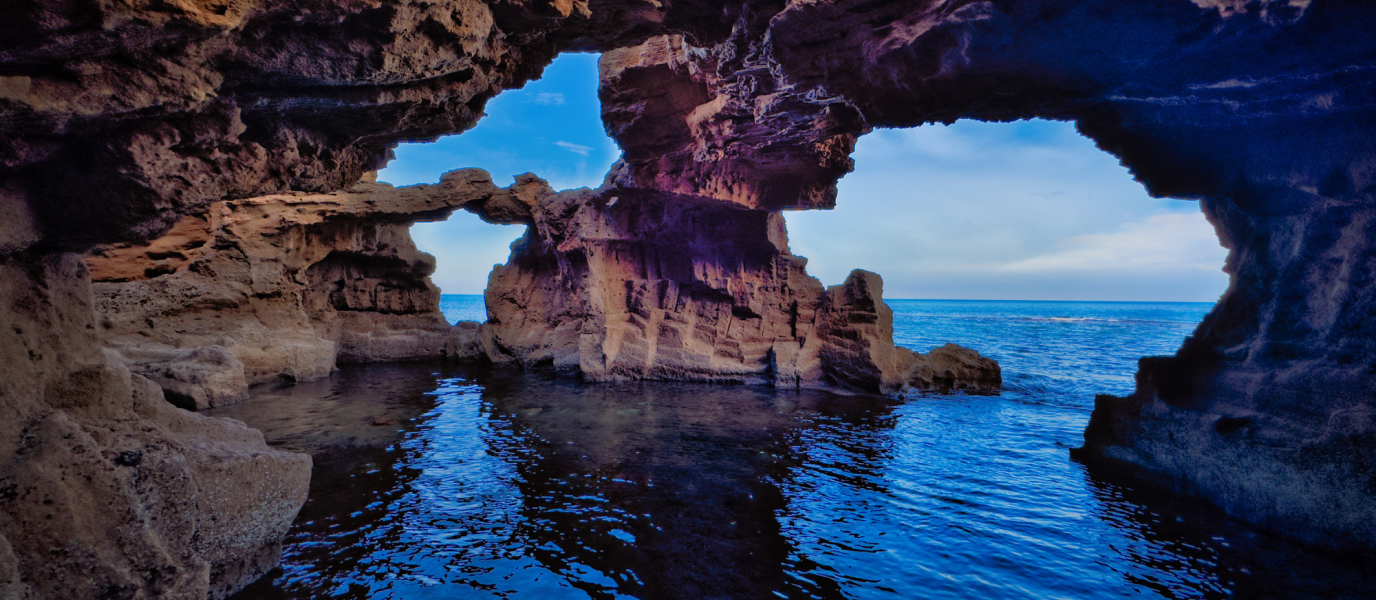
[(118, 119)]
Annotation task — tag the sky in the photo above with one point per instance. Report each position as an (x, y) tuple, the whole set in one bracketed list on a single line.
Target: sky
[(1028, 210)]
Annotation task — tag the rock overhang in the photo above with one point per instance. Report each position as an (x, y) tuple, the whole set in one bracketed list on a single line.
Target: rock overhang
[(118, 120)]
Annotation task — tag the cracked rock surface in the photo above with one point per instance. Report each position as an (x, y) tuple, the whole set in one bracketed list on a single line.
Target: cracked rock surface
[(120, 120)]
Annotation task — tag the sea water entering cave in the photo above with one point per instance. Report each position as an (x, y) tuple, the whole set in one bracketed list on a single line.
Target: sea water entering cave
[(453, 481), (459, 481)]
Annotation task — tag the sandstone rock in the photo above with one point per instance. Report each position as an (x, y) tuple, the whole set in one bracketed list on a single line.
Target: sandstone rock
[(107, 489), (117, 119), (954, 368), (618, 284), (287, 286), (194, 379)]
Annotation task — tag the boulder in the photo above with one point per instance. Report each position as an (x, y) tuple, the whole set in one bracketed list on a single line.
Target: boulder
[(953, 368)]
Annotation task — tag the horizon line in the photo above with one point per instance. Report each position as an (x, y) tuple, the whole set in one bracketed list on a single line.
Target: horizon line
[(442, 293)]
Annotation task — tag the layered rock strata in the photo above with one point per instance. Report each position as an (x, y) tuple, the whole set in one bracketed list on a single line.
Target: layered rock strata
[(616, 284), (283, 288), (107, 490), (117, 119)]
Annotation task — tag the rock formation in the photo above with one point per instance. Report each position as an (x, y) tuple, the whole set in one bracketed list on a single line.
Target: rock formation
[(108, 490), (281, 288), (120, 119), (617, 284), (1263, 111), (657, 286)]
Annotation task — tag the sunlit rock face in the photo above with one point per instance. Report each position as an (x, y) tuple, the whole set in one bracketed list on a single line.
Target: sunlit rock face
[(120, 119), (634, 285), (286, 286)]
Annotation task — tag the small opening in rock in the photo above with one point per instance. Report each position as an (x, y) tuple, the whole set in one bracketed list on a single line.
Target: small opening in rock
[(552, 127), (179, 400)]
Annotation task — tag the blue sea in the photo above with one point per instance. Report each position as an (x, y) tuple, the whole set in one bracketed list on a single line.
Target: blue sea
[(463, 307), (469, 481)]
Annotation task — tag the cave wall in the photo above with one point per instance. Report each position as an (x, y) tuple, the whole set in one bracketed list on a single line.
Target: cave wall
[(282, 288), (119, 119), (1262, 111), (106, 490)]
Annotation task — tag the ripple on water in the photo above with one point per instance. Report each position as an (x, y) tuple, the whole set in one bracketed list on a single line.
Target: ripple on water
[(444, 482)]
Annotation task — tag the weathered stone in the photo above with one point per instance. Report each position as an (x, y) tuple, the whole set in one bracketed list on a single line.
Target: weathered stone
[(288, 285), (194, 379), (107, 489), (954, 368), (117, 119), (616, 284)]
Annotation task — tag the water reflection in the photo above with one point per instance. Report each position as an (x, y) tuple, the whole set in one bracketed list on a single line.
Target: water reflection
[(468, 482), (1181, 548)]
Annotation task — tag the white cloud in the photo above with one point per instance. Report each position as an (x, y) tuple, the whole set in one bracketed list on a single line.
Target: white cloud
[(575, 148), (1178, 240), (548, 98), (1027, 210)]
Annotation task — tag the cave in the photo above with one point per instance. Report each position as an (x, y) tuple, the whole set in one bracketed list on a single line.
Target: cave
[(228, 150)]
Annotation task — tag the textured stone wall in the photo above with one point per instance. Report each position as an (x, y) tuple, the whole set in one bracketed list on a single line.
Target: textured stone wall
[(283, 288), (616, 284), (106, 490), (119, 119)]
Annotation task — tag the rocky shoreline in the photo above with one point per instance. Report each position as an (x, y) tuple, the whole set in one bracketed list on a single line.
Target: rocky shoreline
[(247, 127)]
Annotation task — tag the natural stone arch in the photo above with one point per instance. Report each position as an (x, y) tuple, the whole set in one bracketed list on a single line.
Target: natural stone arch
[(119, 119), (1281, 368)]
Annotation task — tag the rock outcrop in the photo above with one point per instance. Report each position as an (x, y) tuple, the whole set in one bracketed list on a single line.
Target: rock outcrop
[(616, 284), (1262, 110), (106, 490), (120, 119), (284, 287), (1269, 409)]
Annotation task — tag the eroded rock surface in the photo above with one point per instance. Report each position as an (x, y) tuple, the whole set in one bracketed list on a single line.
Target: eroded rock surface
[(616, 284), (1269, 409), (119, 119), (1264, 111), (282, 288), (106, 490)]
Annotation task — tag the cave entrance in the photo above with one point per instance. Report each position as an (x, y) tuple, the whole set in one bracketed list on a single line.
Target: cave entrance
[(956, 218), (552, 127), (1024, 241)]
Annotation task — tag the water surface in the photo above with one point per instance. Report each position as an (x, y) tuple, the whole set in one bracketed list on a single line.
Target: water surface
[(452, 481)]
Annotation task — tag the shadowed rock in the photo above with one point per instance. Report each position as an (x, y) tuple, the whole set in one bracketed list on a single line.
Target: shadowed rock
[(108, 490), (194, 379), (118, 119)]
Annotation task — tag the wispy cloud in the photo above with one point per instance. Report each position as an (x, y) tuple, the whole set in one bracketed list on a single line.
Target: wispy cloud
[(1179, 240), (1026, 210), (575, 148), (548, 98)]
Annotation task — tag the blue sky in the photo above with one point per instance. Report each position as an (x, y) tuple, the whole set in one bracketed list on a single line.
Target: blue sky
[(1027, 210)]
